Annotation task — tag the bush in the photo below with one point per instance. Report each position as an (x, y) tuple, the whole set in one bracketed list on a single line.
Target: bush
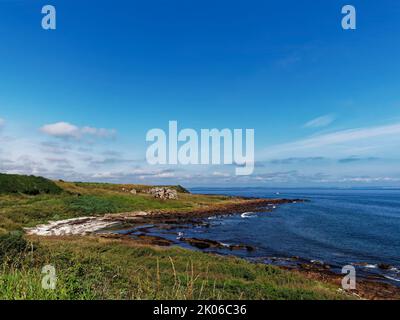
[(31, 185), (12, 245)]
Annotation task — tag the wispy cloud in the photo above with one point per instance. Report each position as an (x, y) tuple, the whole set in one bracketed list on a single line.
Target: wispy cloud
[(357, 159), (134, 175), (54, 147), (2, 123), (351, 135), (319, 122), (111, 161), (220, 174), (339, 142), (294, 160), (367, 179), (68, 130), (343, 157)]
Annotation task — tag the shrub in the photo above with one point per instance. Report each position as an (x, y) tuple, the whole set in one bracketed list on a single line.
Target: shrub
[(12, 245), (31, 185)]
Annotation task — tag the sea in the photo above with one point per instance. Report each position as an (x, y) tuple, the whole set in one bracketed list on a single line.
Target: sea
[(335, 227)]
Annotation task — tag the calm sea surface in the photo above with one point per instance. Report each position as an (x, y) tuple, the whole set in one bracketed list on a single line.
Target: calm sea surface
[(337, 227)]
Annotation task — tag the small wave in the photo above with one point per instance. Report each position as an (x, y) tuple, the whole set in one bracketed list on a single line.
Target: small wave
[(247, 214), (375, 266), (317, 261), (391, 278), (371, 266)]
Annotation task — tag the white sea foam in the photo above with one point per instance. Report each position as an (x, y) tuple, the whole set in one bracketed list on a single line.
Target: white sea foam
[(391, 278), (247, 214)]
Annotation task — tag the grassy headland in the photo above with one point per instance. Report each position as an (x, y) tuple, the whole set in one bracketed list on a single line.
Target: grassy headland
[(90, 267), (19, 209)]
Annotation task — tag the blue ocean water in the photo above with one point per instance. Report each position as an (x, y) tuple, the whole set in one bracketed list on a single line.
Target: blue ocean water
[(336, 226)]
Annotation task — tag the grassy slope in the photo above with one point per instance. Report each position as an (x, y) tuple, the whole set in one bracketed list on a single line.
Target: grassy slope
[(12, 183), (94, 268), (83, 199), (89, 268)]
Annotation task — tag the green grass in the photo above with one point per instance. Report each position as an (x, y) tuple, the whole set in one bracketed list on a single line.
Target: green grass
[(91, 204), (18, 210), (96, 268), (12, 183), (93, 268)]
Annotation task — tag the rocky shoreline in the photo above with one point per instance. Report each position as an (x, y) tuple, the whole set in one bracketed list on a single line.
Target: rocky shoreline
[(101, 226), (94, 224), (365, 289)]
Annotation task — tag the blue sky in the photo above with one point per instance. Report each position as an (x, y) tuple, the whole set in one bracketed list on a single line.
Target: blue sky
[(324, 102)]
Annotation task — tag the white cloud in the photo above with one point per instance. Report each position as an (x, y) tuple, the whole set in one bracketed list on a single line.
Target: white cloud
[(2, 123), (351, 135), (319, 122), (68, 130), (370, 179), (61, 130), (220, 174), (300, 162), (362, 140), (143, 173), (99, 132)]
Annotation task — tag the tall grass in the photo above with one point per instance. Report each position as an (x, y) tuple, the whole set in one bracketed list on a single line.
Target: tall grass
[(23, 281), (108, 269)]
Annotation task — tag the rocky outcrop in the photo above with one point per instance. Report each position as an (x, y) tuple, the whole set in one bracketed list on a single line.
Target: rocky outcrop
[(164, 193), (207, 243), (83, 225), (75, 226), (384, 266), (131, 191)]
